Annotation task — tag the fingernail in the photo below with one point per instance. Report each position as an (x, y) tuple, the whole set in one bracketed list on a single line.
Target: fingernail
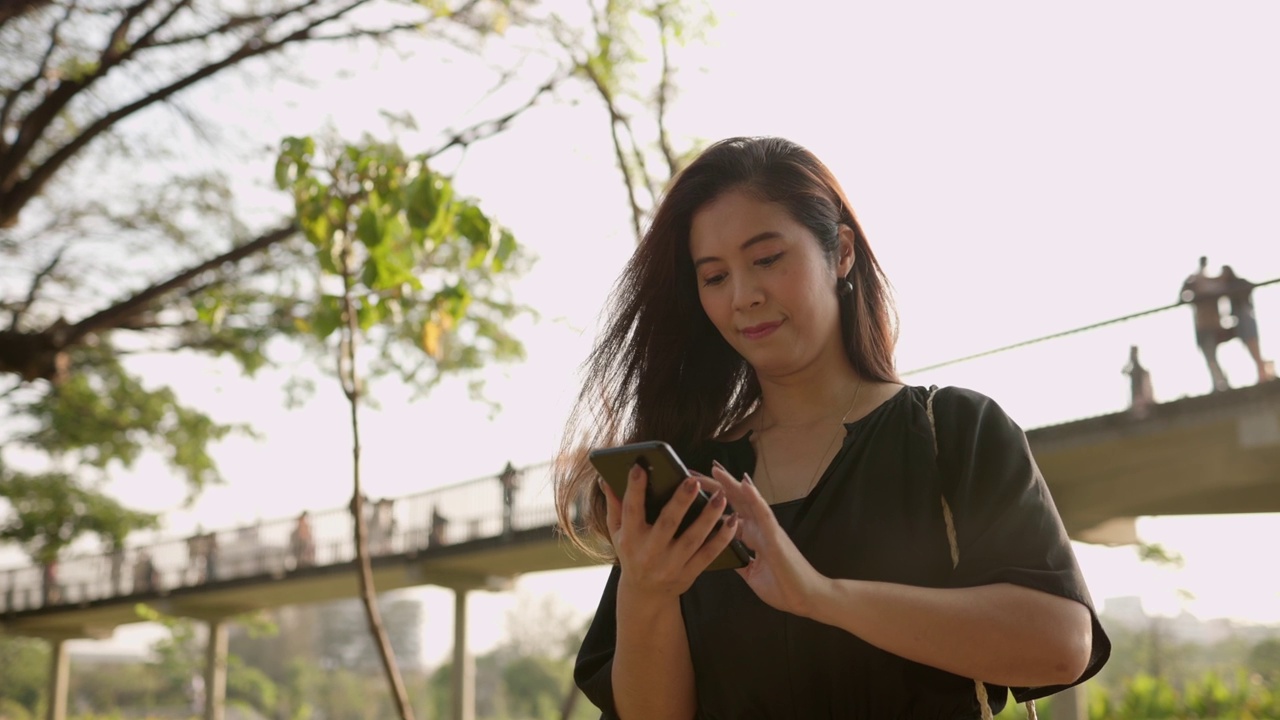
[(746, 478), (716, 463), (689, 484), (634, 473), (718, 499)]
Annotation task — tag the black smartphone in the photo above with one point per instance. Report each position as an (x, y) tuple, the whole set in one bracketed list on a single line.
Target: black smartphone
[(666, 472)]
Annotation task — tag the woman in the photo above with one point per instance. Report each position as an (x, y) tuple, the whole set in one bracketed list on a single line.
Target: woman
[(753, 331)]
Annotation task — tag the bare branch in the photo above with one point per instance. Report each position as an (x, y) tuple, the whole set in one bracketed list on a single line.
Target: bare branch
[(232, 23), (368, 32), (38, 120), (14, 196), (119, 312), (12, 99), (637, 153), (664, 93), (36, 282), (145, 39), (10, 9), (616, 119), (493, 126)]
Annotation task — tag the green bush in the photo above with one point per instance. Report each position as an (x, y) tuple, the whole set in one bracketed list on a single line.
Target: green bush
[(13, 710)]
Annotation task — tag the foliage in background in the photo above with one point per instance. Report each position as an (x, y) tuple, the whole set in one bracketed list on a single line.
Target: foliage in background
[(418, 272), (314, 674), (159, 259), (636, 90)]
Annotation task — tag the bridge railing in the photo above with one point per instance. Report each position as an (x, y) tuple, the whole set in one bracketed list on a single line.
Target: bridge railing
[(1078, 374), (466, 512), (1065, 377)]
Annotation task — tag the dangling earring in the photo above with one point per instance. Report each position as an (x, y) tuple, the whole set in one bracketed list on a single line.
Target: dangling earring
[(844, 287)]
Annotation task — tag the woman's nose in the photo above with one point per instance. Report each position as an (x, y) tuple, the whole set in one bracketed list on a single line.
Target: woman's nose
[(747, 295)]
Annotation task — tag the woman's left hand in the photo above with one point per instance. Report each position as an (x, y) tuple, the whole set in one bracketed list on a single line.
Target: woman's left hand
[(778, 574)]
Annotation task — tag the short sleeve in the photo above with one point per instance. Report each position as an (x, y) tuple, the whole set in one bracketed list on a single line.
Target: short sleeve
[(593, 671), (1007, 527)]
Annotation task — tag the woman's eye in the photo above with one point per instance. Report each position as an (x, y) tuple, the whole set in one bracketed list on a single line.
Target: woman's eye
[(767, 261), (713, 280)]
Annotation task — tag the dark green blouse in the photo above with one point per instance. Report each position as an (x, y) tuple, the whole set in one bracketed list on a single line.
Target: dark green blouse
[(875, 514)]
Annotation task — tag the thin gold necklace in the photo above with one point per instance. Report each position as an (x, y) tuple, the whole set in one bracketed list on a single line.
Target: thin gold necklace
[(818, 470)]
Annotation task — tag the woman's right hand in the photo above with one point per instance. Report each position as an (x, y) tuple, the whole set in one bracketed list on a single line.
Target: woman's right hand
[(655, 563)]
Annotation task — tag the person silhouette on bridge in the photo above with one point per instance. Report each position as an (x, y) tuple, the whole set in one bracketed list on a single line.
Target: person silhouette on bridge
[(198, 555), (145, 576), (302, 542), (1141, 397), (510, 481), (382, 526), (436, 534), (904, 540), (49, 582), (1240, 293), (116, 571), (1204, 292)]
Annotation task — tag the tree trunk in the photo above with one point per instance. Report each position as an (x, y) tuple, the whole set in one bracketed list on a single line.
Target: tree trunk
[(570, 701), (368, 593)]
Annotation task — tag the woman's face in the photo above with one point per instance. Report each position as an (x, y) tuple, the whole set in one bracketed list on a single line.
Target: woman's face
[(766, 284)]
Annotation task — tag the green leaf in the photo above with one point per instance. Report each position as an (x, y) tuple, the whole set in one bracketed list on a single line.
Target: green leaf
[(422, 201), (506, 248), (369, 313), (327, 316), (368, 229)]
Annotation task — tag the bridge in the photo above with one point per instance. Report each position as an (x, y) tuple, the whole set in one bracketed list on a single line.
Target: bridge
[(1216, 453)]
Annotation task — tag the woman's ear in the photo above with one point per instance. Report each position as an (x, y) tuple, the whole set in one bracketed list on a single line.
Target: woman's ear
[(847, 254)]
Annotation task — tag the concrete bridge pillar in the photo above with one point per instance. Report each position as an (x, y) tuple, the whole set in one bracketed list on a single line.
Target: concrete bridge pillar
[(59, 678), (1072, 703), (464, 666), (215, 671)]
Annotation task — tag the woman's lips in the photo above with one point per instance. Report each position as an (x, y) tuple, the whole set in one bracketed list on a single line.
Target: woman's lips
[(755, 332)]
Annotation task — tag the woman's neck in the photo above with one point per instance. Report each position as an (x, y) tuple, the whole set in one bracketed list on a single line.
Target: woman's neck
[(811, 397)]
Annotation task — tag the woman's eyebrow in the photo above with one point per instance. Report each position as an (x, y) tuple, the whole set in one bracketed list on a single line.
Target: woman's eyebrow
[(754, 239)]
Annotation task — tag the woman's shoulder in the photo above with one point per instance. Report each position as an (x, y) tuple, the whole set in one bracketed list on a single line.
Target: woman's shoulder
[(963, 398)]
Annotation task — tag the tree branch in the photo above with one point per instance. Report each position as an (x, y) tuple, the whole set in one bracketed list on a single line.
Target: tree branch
[(10, 9), (145, 39), (233, 22), (11, 100), (493, 126), (36, 282), (642, 168), (38, 120), (14, 197), (664, 93), (615, 118), (119, 312)]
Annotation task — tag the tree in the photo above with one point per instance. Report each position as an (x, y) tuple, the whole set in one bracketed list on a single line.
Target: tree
[(607, 55), (1264, 659), (24, 667), (82, 91), (51, 510), (420, 267)]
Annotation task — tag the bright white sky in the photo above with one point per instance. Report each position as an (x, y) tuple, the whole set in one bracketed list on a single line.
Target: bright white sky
[(1019, 168)]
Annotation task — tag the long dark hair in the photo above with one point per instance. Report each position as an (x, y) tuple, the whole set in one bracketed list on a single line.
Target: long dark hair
[(660, 370)]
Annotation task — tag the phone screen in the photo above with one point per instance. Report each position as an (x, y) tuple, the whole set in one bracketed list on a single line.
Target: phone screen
[(666, 471)]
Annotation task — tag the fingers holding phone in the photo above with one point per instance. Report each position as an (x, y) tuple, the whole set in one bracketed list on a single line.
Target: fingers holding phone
[(660, 558), (779, 574)]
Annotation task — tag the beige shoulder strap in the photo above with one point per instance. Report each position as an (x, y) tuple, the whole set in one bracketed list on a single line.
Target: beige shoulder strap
[(979, 689)]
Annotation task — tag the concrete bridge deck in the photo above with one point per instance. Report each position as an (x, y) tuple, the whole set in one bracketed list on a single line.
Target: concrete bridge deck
[(1217, 453)]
